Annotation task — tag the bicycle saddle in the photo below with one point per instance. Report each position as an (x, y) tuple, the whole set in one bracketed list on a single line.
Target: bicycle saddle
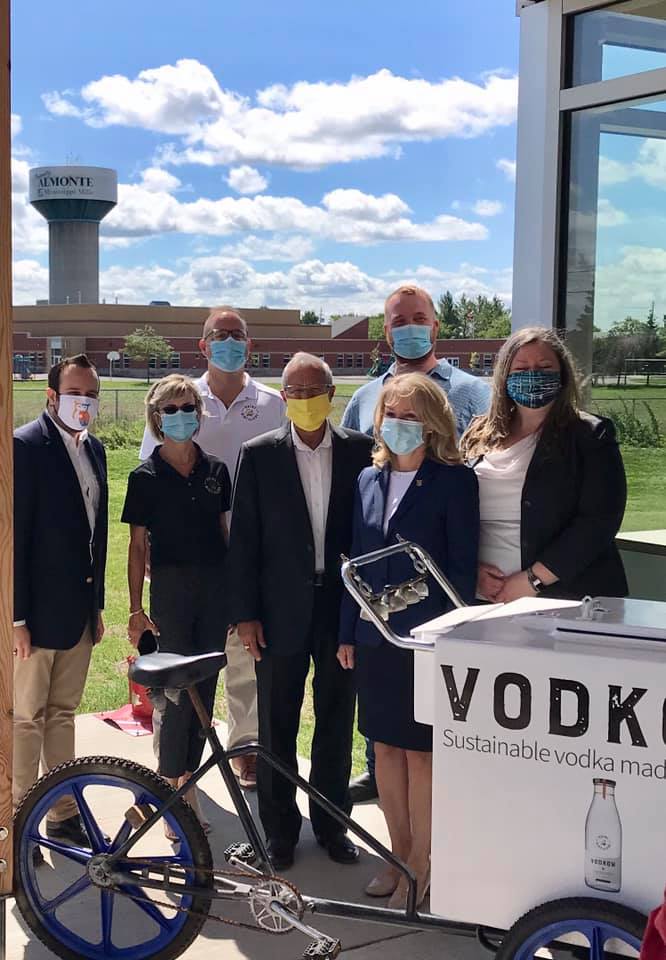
[(170, 670)]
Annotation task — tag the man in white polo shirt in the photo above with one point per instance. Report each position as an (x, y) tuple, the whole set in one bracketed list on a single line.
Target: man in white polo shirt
[(237, 409)]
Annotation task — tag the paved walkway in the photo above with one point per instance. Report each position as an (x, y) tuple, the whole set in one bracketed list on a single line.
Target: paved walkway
[(313, 873)]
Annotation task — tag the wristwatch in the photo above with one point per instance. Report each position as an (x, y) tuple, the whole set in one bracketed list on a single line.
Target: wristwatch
[(535, 582)]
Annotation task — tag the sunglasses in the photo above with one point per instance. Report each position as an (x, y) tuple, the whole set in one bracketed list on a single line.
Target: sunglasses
[(171, 408)]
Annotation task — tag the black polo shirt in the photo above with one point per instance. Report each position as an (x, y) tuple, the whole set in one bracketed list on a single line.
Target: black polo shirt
[(181, 514)]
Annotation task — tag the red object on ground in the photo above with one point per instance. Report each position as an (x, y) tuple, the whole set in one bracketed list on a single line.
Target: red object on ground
[(654, 941), (124, 720), (142, 708)]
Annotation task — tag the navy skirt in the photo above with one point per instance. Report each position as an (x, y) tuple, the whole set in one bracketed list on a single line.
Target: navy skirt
[(385, 682)]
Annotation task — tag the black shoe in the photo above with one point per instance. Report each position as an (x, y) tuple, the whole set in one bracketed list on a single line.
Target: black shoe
[(281, 854), (363, 789), (70, 831), (37, 856), (340, 848)]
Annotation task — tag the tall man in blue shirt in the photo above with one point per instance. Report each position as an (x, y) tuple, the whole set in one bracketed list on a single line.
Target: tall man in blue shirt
[(410, 328)]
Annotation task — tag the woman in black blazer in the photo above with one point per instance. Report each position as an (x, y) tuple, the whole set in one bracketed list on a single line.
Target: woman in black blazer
[(551, 480), (418, 489)]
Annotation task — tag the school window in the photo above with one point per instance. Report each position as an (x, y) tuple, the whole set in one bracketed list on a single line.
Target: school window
[(174, 361), (340, 361), (254, 360), (152, 363), (488, 360), (349, 360), (126, 361), (266, 360), (359, 359), (285, 359), (454, 361), (164, 363)]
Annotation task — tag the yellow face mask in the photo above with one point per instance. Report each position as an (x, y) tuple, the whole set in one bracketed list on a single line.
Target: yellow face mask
[(309, 414)]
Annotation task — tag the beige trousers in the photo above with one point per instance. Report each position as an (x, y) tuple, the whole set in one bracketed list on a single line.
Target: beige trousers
[(240, 690), (48, 687)]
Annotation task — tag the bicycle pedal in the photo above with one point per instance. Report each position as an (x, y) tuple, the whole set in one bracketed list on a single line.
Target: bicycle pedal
[(138, 814), (243, 852), (324, 949)]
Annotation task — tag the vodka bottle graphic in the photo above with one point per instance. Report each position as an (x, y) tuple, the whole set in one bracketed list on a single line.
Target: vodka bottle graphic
[(603, 839)]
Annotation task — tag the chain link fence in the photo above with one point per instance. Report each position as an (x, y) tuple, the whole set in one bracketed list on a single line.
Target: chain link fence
[(117, 406)]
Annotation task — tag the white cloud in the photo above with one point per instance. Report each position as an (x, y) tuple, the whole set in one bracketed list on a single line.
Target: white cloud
[(303, 125), (508, 168), (30, 231), (346, 216), (31, 281), (279, 248), (157, 180), (17, 125), (246, 179), (608, 215), (488, 208), (612, 172), (628, 286)]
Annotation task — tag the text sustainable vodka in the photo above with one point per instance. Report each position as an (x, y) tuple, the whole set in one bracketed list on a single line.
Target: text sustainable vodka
[(603, 839)]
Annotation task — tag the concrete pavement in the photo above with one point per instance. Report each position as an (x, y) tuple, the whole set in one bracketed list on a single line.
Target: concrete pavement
[(313, 873)]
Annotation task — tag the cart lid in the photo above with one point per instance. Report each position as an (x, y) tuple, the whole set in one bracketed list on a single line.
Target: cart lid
[(494, 611)]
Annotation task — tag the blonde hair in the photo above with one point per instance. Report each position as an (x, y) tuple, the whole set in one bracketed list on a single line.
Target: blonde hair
[(411, 291), (174, 387), (432, 408), (487, 432)]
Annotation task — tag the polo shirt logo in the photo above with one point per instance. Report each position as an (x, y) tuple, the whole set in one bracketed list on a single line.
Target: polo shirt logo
[(249, 411), (212, 485)]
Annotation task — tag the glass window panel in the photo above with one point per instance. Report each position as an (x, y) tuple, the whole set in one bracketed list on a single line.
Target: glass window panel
[(619, 40), (614, 266)]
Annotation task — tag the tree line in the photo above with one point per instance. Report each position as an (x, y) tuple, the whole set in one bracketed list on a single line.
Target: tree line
[(628, 339), (462, 318)]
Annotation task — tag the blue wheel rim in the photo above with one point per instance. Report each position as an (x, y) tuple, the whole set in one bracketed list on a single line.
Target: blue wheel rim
[(596, 933), (45, 908)]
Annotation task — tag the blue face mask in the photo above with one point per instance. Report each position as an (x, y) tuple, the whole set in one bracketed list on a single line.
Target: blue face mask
[(402, 436), (180, 426), (412, 341), (228, 355), (534, 388)]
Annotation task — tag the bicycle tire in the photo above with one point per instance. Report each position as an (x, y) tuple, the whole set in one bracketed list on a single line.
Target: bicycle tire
[(138, 779), (545, 923)]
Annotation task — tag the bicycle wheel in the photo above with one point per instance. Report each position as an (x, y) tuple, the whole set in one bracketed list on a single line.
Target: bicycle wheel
[(592, 929), (60, 903)]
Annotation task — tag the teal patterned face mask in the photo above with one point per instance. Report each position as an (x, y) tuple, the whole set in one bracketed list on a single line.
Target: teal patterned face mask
[(534, 388)]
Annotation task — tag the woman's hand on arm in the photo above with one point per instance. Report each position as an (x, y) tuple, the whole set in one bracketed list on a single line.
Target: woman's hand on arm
[(346, 654), (518, 584), (490, 581)]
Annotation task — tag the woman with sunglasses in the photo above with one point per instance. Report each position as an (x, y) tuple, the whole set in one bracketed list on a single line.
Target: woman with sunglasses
[(176, 501)]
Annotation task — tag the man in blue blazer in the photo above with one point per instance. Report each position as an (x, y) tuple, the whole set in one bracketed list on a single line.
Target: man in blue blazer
[(60, 537)]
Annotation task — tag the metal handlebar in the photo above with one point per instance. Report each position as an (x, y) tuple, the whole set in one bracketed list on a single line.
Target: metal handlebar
[(368, 601)]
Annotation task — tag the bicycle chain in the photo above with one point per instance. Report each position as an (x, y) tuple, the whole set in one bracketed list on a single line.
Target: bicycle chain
[(207, 916)]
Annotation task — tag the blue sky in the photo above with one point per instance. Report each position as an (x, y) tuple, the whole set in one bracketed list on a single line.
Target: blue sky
[(311, 158)]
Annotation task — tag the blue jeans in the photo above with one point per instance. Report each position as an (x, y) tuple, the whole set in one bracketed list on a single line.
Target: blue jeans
[(370, 756)]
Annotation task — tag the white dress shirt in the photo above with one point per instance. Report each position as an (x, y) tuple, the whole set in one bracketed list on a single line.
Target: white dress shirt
[(315, 468), (399, 483), (501, 475), (85, 473)]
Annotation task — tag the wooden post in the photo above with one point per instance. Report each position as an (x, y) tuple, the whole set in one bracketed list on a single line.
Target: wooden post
[(6, 466)]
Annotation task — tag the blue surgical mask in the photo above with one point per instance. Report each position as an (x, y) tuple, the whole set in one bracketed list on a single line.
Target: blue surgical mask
[(412, 341), (533, 388), (180, 426), (402, 436), (228, 355)]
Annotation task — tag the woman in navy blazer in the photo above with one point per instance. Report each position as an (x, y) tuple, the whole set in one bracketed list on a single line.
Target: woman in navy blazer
[(419, 489)]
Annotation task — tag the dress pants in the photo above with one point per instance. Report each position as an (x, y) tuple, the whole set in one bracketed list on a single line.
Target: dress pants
[(48, 687), (185, 604), (240, 693), (280, 690)]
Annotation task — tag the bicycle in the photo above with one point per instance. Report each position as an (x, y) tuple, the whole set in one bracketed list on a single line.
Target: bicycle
[(141, 886)]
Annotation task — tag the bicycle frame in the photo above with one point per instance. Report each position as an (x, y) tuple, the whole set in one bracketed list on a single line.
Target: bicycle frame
[(334, 908)]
